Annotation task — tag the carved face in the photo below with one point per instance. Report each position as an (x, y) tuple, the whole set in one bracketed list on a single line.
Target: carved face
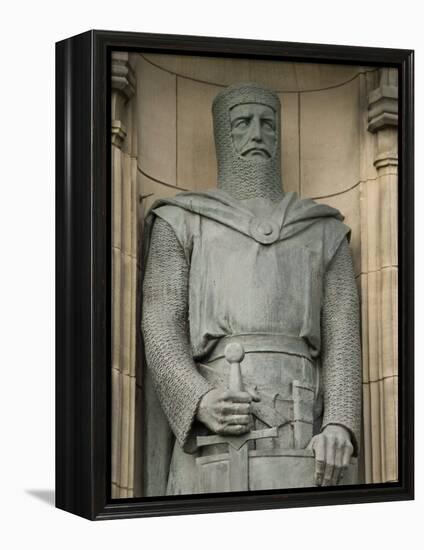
[(253, 129)]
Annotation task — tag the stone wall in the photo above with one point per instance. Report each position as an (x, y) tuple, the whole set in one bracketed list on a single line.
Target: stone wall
[(338, 146)]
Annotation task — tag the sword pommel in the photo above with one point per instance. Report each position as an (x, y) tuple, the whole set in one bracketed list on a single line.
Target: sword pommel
[(234, 353)]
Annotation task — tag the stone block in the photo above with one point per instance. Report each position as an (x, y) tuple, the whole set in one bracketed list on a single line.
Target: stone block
[(379, 221), (389, 320), (156, 103), (131, 435), (379, 324), (367, 434), (127, 205), (116, 306), (133, 328), (374, 326), (134, 206), (132, 115), (116, 424), (290, 142), (125, 459), (329, 140), (363, 283), (126, 323), (129, 145), (376, 423), (196, 161), (390, 388), (381, 429), (116, 196)]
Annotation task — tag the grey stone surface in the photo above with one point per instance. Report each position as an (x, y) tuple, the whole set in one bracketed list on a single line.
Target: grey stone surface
[(253, 266)]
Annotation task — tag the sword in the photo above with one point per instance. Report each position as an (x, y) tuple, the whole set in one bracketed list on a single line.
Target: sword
[(238, 448)]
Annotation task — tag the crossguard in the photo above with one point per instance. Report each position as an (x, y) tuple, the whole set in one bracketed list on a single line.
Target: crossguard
[(235, 441)]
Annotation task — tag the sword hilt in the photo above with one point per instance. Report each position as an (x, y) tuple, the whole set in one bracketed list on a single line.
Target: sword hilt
[(234, 354)]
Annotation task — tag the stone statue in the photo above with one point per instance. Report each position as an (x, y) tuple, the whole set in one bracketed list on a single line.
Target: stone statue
[(250, 322)]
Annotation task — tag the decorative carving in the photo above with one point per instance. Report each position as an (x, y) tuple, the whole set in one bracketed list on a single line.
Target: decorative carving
[(383, 118), (383, 102), (123, 89), (119, 133), (123, 76)]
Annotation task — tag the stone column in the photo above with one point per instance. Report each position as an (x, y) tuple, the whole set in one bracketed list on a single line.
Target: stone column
[(124, 243), (379, 284)]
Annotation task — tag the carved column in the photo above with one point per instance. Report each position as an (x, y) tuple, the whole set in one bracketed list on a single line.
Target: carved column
[(124, 243), (379, 284)]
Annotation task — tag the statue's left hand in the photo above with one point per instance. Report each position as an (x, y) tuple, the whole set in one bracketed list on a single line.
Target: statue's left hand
[(333, 449)]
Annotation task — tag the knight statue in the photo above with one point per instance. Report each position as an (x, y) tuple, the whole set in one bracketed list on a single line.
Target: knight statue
[(250, 320)]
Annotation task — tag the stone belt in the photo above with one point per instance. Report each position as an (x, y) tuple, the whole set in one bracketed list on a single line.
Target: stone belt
[(261, 343)]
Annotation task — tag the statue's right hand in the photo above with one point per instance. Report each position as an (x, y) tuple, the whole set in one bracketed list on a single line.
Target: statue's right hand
[(225, 411)]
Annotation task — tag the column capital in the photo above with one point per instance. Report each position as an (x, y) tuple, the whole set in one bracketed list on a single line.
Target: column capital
[(123, 81), (119, 133), (383, 102), (123, 76)]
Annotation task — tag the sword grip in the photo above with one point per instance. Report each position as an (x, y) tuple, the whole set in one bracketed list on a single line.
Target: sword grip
[(234, 354)]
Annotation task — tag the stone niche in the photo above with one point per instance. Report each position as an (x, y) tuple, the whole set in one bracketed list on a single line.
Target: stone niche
[(339, 146)]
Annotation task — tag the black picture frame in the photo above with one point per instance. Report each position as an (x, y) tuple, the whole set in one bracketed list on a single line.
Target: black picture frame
[(83, 260)]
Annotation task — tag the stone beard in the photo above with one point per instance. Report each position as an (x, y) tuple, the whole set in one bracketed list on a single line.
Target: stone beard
[(271, 274)]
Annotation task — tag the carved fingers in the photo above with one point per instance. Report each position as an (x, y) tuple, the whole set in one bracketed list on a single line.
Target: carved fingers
[(225, 412), (317, 445), (333, 450), (338, 464)]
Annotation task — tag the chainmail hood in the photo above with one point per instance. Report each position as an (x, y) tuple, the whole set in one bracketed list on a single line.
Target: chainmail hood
[(244, 178)]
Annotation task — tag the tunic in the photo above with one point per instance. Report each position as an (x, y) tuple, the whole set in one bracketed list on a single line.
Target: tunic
[(258, 281)]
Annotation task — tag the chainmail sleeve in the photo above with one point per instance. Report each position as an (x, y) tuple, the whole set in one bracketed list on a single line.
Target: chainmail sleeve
[(341, 349), (166, 334)]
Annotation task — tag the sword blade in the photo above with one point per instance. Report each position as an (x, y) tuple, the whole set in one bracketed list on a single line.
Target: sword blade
[(239, 468)]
